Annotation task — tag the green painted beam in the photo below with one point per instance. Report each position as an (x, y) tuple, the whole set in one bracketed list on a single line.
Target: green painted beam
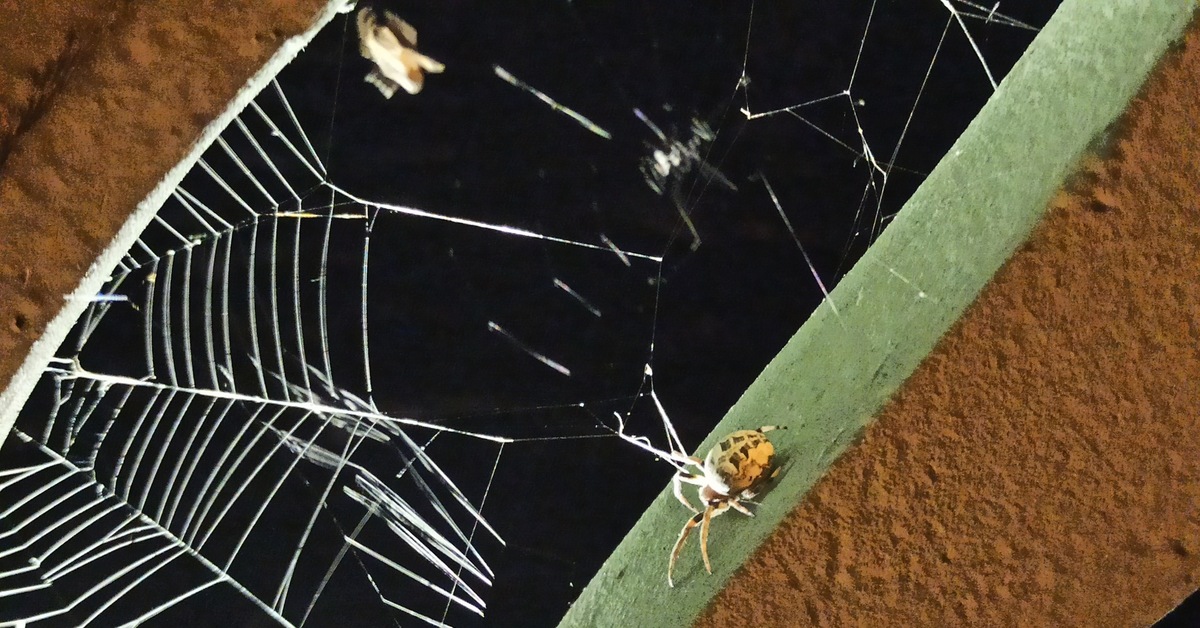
[(976, 207)]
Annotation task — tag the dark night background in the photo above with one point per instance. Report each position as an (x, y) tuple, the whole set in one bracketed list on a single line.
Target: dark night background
[(473, 146)]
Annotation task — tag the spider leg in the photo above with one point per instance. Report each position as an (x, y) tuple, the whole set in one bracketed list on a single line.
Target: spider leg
[(695, 479), (683, 535), (704, 538), (686, 476), (709, 513), (686, 459), (738, 506), (677, 487), (677, 200)]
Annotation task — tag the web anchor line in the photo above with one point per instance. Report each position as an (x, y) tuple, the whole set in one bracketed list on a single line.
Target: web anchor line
[(505, 229)]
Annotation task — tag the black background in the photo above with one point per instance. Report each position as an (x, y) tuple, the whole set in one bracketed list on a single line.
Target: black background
[(474, 146), (707, 320)]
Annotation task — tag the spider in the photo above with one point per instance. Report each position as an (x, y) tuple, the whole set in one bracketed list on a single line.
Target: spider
[(672, 160), (736, 468)]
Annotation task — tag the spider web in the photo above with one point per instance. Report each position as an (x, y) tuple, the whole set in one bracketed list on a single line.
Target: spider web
[(368, 364)]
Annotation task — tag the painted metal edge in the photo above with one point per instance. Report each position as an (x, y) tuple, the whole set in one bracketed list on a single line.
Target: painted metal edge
[(976, 207), (13, 398)]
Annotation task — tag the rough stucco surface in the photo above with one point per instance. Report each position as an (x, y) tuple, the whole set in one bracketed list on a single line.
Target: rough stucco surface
[(1040, 467), (100, 100)]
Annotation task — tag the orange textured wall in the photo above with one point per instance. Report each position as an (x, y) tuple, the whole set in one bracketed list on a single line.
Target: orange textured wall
[(100, 100)]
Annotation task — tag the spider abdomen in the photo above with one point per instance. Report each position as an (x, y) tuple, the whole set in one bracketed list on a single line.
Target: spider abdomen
[(739, 462)]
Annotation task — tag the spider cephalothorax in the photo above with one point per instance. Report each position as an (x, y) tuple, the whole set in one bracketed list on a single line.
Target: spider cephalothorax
[(735, 469)]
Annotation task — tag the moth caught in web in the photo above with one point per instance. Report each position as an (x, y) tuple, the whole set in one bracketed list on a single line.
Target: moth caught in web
[(671, 162), (392, 45)]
